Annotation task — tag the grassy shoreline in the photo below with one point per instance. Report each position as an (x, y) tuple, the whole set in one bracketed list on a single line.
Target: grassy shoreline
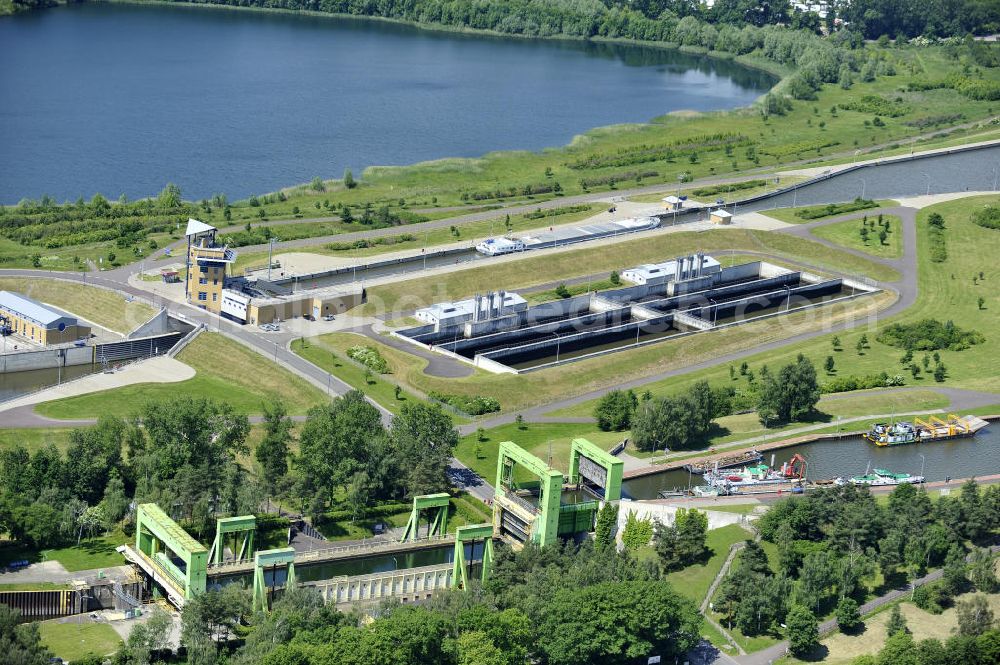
[(774, 69)]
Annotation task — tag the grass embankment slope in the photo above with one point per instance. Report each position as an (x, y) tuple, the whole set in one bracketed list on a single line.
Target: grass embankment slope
[(104, 307), (225, 370), (847, 234), (946, 292)]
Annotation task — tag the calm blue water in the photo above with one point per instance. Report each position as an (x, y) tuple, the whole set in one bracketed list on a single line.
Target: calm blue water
[(116, 98)]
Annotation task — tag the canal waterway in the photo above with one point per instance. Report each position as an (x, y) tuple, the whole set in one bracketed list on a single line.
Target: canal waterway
[(16, 384), (122, 99), (957, 458), (971, 170)]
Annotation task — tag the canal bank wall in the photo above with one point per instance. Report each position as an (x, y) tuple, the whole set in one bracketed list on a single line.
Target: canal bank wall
[(811, 437)]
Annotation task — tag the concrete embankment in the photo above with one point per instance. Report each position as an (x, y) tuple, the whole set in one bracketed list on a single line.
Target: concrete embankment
[(672, 465)]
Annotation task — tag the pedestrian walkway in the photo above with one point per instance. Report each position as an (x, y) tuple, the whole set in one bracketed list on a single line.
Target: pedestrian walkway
[(161, 369)]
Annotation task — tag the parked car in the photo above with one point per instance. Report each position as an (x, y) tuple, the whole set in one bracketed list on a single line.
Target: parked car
[(328, 317)]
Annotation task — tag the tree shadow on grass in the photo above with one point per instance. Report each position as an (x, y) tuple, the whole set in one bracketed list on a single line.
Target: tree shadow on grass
[(11, 552), (818, 653)]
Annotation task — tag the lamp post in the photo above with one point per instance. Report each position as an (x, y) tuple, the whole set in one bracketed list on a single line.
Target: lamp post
[(864, 186), (558, 342), (928, 183), (923, 462)]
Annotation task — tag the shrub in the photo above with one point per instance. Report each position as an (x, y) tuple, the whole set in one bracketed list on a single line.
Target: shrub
[(637, 532), (843, 384), (876, 105), (929, 335), (614, 410), (369, 357), (816, 212), (988, 217), (474, 405)]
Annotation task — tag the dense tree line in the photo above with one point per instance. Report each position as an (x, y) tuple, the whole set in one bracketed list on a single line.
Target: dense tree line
[(183, 454), (831, 543), (561, 605), (685, 420), (910, 18)]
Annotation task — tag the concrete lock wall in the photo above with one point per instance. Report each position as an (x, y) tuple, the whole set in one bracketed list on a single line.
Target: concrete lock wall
[(667, 514), (408, 585), (570, 325), (158, 324), (46, 359)]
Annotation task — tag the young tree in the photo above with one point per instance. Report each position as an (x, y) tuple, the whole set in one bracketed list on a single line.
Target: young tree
[(604, 530), (974, 616), (683, 542), (835, 343), (349, 181), (848, 618), (424, 438), (21, 641), (829, 365), (803, 631), (982, 570), (897, 622), (148, 638), (615, 409), (272, 451)]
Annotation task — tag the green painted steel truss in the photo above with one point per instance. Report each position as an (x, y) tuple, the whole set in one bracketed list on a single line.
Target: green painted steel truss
[(437, 524)]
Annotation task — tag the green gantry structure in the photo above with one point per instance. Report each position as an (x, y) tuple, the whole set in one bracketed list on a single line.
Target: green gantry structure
[(181, 559), (472, 534), (242, 528), (595, 469), (437, 524), (271, 559), (517, 516)]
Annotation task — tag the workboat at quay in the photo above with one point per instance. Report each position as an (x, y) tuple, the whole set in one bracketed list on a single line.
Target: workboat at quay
[(920, 431), (758, 477), (727, 462), (566, 235), (881, 477)]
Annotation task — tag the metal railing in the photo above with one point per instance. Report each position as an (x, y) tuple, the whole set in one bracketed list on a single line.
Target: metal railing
[(364, 547)]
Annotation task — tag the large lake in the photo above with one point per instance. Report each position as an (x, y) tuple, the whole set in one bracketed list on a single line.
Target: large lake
[(122, 99)]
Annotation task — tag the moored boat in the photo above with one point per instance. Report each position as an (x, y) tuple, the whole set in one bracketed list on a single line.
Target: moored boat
[(727, 462), (920, 431), (883, 477)]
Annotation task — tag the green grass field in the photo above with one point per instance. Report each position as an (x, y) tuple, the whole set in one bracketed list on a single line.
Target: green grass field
[(328, 358), (101, 306), (72, 641), (33, 439), (92, 553), (224, 370), (847, 234)]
